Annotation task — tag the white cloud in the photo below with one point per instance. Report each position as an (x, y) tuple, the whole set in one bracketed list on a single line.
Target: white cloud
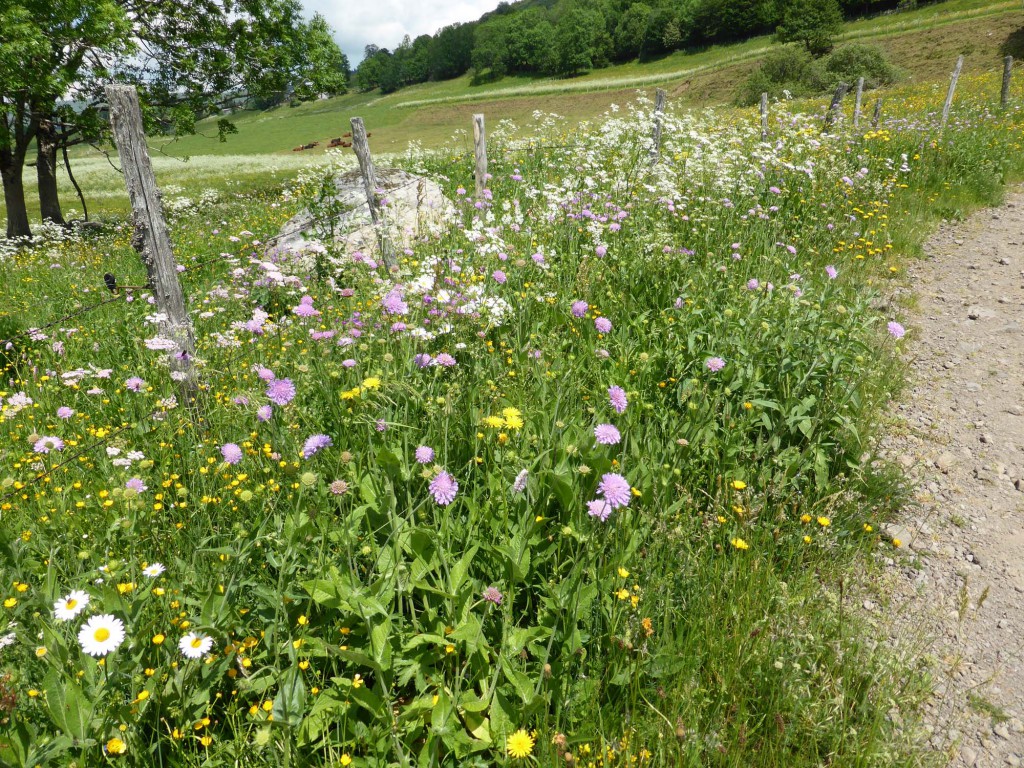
[(386, 22)]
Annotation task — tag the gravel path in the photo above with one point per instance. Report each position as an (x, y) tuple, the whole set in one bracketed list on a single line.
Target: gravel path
[(959, 571)]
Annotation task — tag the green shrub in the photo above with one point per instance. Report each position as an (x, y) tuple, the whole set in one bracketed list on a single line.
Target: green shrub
[(853, 61)]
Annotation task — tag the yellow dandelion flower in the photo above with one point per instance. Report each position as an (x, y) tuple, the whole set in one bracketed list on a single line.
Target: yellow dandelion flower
[(519, 744), (513, 418), (739, 544), (824, 522), (116, 747), (494, 422), (623, 573), (371, 383)]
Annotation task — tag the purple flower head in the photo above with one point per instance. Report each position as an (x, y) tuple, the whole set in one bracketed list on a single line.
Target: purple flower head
[(519, 485), (424, 454), (422, 360), (444, 488), (715, 364), (136, 484), (281, 391), (896, 330), (579, 308), (831, 271), (538, 258), (615, 489), (617, 398), (232, 453), (47, 444), (380, 425), (499, 277), (305, 308), (603, 324), (314, 444), (445, 360), (135, 384), (599, 508), (753, 284), (65, 413), (264, 412), (607, 434), (600, 250), (393, 303), (492, 595), (265, 373)]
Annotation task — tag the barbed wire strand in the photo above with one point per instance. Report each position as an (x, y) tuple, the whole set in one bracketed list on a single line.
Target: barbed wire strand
[(76, 313)]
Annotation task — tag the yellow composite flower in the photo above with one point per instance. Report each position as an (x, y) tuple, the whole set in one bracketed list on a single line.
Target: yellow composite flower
[(371, 383), (513, 418), (494, 422), (519, 744), (740, 544), (116, 747)]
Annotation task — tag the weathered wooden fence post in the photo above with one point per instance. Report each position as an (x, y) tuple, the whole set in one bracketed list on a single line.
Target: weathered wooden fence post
[(1004, 95), (878, 112), (833, 108), (362, 149), (150, 237), (764, 116), (856, 104), (659, 110), (951, 91), (480, 150)]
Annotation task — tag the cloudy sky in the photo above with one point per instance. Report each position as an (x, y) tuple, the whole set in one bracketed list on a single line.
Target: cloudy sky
[(385, 22)]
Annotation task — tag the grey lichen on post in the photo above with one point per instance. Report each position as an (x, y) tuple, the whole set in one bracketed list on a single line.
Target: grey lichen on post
[(878, 113), (480, 152), (833, 108), (1004, 94), (150, 237), (951, 91), (659, 111), (362, 149), (856, 105), (764, 116)]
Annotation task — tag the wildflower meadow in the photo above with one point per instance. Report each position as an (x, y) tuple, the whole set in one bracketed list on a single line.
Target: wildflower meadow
[(586, 480)]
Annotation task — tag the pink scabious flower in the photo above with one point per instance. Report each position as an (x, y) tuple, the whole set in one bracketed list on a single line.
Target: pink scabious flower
[(617, 398), (753, 284), (715, 364), (607, 434), (231, 452), (444, 359), (599, 508), (305, 308), (422, 360), (136, 484), (444, 488), (615, 489), (424, 454), (265, 373), (492, 595), (135, 384), (579, 308), (896, 330), (65, 413), (499, 277), (315, 444), (47, 444), (264, 412), (832, 272), (281, 391), (381, 425), (393, 302), (600, 251), (603, 324)]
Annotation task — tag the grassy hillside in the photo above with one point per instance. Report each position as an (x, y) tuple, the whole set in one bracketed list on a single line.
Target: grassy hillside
[(923, 43)]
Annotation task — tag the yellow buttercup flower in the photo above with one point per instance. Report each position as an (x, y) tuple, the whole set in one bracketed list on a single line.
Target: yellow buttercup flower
[(740, 544), (116, 747)]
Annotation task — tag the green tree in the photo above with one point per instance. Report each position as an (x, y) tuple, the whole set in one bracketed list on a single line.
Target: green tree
[(451, 52), (811, 23), (630, 31)]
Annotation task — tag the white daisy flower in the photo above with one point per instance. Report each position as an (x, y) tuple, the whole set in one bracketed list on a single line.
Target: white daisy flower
[(154, 570), (101, 634), (194, 645), (68, 607)]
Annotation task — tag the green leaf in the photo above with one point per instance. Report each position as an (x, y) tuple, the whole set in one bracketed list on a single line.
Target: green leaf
[(67, 706), (290, 702), (461, 569)]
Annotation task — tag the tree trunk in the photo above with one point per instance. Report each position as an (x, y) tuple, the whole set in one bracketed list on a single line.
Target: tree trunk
[(11, 166), (46, 172)]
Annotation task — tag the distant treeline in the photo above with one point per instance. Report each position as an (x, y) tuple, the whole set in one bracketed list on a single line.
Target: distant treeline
[(569, 37)]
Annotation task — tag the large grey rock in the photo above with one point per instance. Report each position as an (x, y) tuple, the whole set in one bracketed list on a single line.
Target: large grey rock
[(412, 207)]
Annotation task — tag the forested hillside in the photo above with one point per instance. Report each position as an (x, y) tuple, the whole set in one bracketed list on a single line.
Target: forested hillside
[(569, 37)]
